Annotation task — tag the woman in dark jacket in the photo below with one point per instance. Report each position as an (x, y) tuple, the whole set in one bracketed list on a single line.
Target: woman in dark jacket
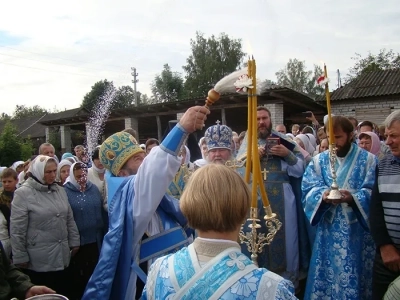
[(86, 203)]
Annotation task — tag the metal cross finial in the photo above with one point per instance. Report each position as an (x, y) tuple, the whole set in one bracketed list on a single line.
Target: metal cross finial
[(218, 121), (234, 164)]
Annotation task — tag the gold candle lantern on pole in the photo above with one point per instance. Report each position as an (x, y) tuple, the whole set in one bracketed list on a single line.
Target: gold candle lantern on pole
[(334, 193), (244, 80), (255, 240)]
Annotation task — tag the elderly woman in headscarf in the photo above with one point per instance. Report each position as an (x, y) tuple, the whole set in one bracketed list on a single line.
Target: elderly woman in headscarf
[(22, 175), (97, 171), (313, 140), (204, 153), (63, 171), (43, 231), (86, 203), (370, 141), (18, 166), (305, 146), (291, 136), (66, 155)]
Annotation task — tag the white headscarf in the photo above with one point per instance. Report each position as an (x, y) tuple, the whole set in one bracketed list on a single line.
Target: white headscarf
[(63, 163), (313, 140), (72, 159), (16, 164), (38, 165), (98, 170), (200, 142), (71, 178), (326, 118), (290, 135), (200, 163), (306, 142)]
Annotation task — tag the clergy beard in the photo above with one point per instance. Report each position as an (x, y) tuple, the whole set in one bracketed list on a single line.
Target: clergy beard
[(266, 133), (342, 152)]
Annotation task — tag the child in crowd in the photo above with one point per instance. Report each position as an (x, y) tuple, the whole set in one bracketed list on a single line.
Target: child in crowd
[(9, 179), (295, 129)]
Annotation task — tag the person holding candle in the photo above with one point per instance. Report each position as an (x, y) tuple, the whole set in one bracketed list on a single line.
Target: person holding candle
[(279, 166), (343, 252)]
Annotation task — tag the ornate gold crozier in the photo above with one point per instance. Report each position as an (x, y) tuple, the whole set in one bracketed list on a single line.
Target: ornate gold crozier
[(254, 239)]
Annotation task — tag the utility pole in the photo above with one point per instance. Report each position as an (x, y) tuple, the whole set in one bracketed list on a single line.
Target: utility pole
[(339, 79), (135, 75)]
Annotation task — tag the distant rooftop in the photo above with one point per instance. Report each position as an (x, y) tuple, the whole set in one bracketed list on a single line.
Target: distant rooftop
[(371, 84), (66, 114), (28, 127)]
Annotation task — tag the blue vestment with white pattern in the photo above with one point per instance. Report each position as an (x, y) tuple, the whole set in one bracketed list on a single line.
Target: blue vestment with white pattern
[(343, 252), (229, 275)]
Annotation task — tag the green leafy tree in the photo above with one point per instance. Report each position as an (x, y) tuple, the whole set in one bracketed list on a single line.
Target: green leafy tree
[(312, 88), (5, 117), (167, 86), (10, 145), (212, 59), (384, 60), (55, 138), (296, 76), (23, 111), (98, 89), (144, 99), (27, 149), (267, 84), (124, 95)]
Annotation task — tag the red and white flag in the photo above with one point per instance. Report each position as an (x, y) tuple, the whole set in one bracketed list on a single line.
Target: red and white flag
[(322, 80)]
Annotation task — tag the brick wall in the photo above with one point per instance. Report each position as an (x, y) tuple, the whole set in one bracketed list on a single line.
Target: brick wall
[(375, 110), (276, 110), (348, 108)]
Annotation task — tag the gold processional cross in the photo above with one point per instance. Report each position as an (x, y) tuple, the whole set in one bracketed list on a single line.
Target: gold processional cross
[(264, 173)]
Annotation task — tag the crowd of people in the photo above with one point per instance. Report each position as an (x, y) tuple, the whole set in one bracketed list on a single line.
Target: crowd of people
[(153, 221)]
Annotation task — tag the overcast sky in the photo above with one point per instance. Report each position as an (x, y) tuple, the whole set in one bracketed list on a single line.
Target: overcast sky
[(52, 52)]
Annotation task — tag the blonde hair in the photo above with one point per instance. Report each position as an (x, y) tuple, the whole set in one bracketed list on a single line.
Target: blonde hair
[(216, 198)]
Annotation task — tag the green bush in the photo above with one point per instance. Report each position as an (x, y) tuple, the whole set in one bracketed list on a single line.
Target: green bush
[(12, 147)]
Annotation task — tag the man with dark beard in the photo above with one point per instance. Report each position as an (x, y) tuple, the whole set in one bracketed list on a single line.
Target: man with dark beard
[(280, 159), (343, 252)]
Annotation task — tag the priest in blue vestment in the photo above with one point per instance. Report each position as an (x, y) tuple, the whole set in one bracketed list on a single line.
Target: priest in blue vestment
[(343, 252), (282, 163), (215, 202), (145, 223)]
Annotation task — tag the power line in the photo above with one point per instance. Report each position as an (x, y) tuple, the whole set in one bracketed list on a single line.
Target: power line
[(80, 61), (49, 62)]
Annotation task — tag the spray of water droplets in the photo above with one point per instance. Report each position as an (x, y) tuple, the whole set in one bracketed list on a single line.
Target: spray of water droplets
[(98, 118)]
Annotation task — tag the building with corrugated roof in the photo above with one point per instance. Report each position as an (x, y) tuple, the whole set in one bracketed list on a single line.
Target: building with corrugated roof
[(151, 121), (370, 97)]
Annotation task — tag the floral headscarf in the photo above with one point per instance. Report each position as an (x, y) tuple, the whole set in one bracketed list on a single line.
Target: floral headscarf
[(38, 165), (79, 184)]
